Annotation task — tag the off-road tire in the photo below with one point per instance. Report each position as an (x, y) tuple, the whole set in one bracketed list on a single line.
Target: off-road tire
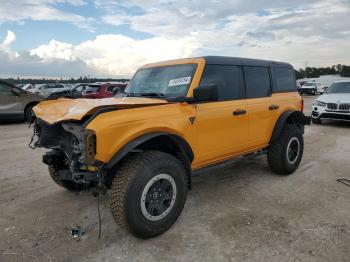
[(127, 187), (316, 121), (277, 152), (69, 185)]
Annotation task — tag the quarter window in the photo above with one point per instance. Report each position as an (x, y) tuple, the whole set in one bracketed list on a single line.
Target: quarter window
[(228, 79), (257, 81), (285, 80)]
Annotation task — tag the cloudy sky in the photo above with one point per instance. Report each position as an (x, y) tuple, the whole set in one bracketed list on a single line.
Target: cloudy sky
[(70, 38)]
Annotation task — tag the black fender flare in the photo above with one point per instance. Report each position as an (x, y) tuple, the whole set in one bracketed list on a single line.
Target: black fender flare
[(295, 117), (182, 145)]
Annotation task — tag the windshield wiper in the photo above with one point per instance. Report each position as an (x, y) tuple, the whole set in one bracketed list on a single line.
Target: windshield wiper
[(152, 94), (146, 94)]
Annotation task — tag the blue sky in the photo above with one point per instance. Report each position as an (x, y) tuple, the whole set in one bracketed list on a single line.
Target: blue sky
[(113, 38)]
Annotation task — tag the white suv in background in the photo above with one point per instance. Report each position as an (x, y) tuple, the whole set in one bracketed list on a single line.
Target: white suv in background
[(312, 88), (334, 104)]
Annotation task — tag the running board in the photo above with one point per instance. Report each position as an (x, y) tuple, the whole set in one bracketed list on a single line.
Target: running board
[(225, 164)]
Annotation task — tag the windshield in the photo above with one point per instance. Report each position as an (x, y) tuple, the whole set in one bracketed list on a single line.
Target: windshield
[(51, 86), (310, 84), (168, 81), (339, 88)]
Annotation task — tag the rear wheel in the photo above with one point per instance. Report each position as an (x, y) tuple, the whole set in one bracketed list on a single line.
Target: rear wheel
[(148, 193), (69, 185), (285, 154)]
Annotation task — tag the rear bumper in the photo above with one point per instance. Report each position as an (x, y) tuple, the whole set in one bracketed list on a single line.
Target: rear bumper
[(307, 90)]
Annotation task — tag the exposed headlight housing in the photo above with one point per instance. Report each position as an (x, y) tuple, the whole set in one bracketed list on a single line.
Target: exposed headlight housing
[(85, 143)]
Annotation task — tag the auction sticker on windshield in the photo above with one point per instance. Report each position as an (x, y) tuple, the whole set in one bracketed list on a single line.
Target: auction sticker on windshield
[(180, 81)]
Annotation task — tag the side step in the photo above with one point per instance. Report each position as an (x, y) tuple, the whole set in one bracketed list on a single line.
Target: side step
[(225, 164)]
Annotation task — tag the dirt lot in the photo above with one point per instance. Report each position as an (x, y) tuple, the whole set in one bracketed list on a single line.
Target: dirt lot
[(244, 212)]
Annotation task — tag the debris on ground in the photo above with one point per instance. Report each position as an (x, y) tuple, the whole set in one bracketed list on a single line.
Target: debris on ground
[(77, 232)]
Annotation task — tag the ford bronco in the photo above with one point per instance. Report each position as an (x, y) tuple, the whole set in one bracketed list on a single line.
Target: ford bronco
[(174, 119)]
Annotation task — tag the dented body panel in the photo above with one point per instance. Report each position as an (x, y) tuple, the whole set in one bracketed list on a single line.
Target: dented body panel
[(65, 109)]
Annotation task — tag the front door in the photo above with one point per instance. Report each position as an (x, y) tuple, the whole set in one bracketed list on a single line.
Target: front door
[(9, 102), (222, 126)]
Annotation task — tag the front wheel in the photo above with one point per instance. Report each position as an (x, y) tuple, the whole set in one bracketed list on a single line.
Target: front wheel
[(28, 113), (148, 193), (285, 154)]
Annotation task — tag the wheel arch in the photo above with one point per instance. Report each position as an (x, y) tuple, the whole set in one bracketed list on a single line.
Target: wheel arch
[(288, 117), (31, 103), (161, 141)]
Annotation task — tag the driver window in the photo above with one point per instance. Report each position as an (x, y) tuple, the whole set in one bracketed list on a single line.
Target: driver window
[(5, 89)]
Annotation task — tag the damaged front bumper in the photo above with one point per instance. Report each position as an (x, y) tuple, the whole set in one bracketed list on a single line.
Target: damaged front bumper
[(73, 149)]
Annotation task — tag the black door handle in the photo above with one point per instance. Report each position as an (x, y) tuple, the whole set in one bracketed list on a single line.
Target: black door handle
[(273, 107), (239, 112)]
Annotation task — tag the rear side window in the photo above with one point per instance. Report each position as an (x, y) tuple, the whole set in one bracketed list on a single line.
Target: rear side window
[(257, 81), (92, 88), (284, 79), (229, 80)]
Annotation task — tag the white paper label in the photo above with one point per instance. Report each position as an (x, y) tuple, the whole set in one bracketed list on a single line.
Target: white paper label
[(180, 81)]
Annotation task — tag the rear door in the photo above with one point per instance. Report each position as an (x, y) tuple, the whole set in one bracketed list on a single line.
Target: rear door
[(9, 102), (222, 126), (262, 107)]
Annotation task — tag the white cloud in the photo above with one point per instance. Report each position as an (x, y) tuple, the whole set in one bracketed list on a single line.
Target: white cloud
[(9, 39), (106, 55), (54, 50), (42, 10), (293, 31), (5, 45), (117, 54)]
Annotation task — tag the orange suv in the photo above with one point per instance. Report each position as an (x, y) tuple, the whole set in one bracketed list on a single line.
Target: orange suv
[(175, 118)]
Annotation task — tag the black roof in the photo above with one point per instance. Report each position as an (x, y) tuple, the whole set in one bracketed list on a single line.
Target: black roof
[(226, 60)]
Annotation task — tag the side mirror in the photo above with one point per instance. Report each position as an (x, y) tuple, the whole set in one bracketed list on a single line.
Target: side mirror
[(205, 93), (116, 90), (16, 91)]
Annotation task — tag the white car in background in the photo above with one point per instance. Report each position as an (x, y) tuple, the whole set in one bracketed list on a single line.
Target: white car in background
[(334, 104), (46, 90), (311, 88)]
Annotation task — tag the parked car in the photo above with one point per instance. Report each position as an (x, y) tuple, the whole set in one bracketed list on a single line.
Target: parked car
[(15, 103), (77, 90), (177, 118), (102, 90), (47, 89), (311, 88), (27, 87), (334, 104)]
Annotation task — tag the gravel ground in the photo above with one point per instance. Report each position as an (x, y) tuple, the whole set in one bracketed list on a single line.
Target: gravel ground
[(244, 212)]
